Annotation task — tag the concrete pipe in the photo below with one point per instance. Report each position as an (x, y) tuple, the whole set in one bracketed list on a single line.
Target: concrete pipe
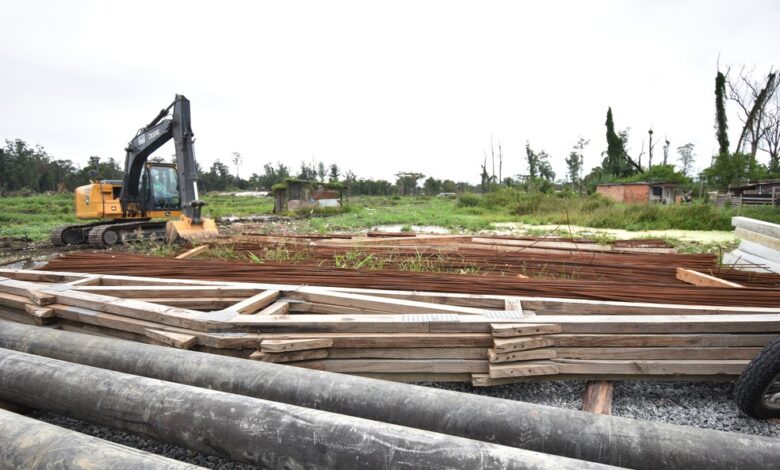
[(587, 436), (35, 445), (260, 432)]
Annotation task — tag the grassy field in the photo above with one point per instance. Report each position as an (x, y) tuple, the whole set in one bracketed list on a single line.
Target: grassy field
[(35, 216)]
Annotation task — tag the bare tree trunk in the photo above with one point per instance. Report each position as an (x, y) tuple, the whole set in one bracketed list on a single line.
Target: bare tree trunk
[(666, 151), (650, 150)]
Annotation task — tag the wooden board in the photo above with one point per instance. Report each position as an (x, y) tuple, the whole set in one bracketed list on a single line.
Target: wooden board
[(287, 345), (598, 397), (704, 280)]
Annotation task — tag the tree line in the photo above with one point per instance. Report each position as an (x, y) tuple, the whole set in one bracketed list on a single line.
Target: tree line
[(26, 168)]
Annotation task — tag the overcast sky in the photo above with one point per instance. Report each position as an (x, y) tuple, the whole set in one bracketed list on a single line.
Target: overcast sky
[(377, 87)]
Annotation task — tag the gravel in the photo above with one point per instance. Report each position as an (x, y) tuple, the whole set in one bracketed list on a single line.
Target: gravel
[(700, 404)]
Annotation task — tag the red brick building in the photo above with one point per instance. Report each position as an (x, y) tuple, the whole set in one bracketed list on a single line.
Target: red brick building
[(662, 193)]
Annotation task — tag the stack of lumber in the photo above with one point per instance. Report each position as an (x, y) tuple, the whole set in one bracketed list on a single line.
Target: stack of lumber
[(759, 290), (759, 248), (400, 335)]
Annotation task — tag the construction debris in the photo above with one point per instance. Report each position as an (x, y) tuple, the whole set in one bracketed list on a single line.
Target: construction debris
[(402, 335)]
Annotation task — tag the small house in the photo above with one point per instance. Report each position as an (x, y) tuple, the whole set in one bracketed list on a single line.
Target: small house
[(294, 194), (642, 192)]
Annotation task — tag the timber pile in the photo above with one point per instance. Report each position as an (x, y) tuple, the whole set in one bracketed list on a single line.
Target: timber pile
[(400, 335), (758, 289), (759, 250)]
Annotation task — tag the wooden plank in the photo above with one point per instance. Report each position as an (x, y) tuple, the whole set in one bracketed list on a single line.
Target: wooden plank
[(507, 330), (292, 356), (497, 371), (286, 345), (703, 280), (41, 298), (660, 340), (256, 302), (532, 355), (39, 312), (171, 291), (661, 353), (416, 378), (408, 353), (177, 340), (190, 253), (505, 345), (484, 380), (513, 305), (276, 308), (598, 397), (380, 304), (556, 306), (430, 366), (650, 367)]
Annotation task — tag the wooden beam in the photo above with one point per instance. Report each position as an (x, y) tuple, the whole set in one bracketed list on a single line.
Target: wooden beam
[(192, 252), (703, 280), (521, 370), (598, 397), (508, 330), (255, 303), (287, 345), (177, 340)]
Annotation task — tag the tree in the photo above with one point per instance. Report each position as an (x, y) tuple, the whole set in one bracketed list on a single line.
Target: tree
[(432, 186), (686, 157), (545, 169), (617, 162), (321, 171), (751, 98), (484, 177), (770, 139), (237, 161), (532, 159), (575, 162), (334, 173), (720, 114), (406, 181), (307, 172)]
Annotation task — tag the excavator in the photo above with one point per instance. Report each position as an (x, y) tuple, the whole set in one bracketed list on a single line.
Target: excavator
[(136, 208)]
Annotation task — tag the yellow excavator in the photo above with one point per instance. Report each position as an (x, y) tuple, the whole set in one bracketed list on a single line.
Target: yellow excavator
[(136, 207)]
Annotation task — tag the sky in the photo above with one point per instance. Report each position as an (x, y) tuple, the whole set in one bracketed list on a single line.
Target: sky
[(376, 87)]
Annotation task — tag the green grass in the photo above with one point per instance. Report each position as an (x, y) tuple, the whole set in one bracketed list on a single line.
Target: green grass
[(36, 216), (366, 212), (599, 212)]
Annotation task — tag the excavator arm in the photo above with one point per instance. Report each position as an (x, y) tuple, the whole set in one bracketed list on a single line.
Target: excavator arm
[(148, 139)]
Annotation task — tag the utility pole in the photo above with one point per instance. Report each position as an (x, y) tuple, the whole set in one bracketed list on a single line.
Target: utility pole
[(650, 150)]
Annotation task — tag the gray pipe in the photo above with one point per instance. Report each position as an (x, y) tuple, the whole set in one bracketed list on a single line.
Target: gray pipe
[(587, 436), (35, 445), (245, 429)]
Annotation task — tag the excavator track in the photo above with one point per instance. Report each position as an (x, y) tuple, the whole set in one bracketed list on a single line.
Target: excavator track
[(71, 234), (107, 235)]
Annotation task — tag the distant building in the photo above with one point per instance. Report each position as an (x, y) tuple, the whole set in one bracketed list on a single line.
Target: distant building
[(642, 192), (757, 192), (294, 194)]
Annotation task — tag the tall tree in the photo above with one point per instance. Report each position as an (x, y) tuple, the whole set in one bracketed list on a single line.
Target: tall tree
[(533, 161), (686, 157), (720, 114), (751, 97), (770, 140), (617, 161), (237, 161), (334, 173), (575, 162)]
